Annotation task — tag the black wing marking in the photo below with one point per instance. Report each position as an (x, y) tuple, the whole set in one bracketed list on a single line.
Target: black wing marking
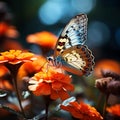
[(75, 33)]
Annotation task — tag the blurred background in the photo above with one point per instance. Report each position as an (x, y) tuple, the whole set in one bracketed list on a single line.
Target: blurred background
[(30, 16), (21, 18)]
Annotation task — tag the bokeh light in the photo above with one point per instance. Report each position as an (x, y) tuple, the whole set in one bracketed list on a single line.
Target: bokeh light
[(98, 33), (52, 11), (84, 6)]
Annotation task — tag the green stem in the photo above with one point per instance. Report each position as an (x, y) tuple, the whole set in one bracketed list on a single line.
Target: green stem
[(100, 97), (46, 111), (14, 70), (18, 96), (105, 105), (47, 102)]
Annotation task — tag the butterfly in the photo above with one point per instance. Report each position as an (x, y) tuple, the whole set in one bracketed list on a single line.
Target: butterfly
[(70, 50)]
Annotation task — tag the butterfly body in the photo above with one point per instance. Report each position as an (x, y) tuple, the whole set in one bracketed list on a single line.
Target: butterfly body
[(70, 50)]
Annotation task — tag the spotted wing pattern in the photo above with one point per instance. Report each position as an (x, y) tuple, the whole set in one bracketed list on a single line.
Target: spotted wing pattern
[(70, 49), (78, 60), (75, 33)]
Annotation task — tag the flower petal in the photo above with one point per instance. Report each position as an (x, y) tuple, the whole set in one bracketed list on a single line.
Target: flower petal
[(32, 87), (56, 85), (69, 87), (63, 94), (54, 95), (42, 89), (82, 111)]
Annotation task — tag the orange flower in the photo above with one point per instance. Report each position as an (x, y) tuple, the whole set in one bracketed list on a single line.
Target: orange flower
[(115, 109), (15, 56), (106, 65), (30, 68), (3, 28), (8, 30), (44, 39), (4, 76), (3, 71), (51, 83), (13, 59), (82, 111), (12, 32)]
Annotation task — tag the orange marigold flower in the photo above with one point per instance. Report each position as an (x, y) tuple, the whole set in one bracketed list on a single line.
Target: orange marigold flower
[(15, 56), (12, 32), (3, 28), (44, 39), (30, 68), (106, 65), (115, 109), (4, 84), (51, 83), (3, 71), (8, 30), (82, 111)]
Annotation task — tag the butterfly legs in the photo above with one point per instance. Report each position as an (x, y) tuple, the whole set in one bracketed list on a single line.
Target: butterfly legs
[(55, 63)]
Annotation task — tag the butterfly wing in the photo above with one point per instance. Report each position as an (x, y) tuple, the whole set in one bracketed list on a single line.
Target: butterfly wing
[(75, 33), (70, 49), (78, 60)]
